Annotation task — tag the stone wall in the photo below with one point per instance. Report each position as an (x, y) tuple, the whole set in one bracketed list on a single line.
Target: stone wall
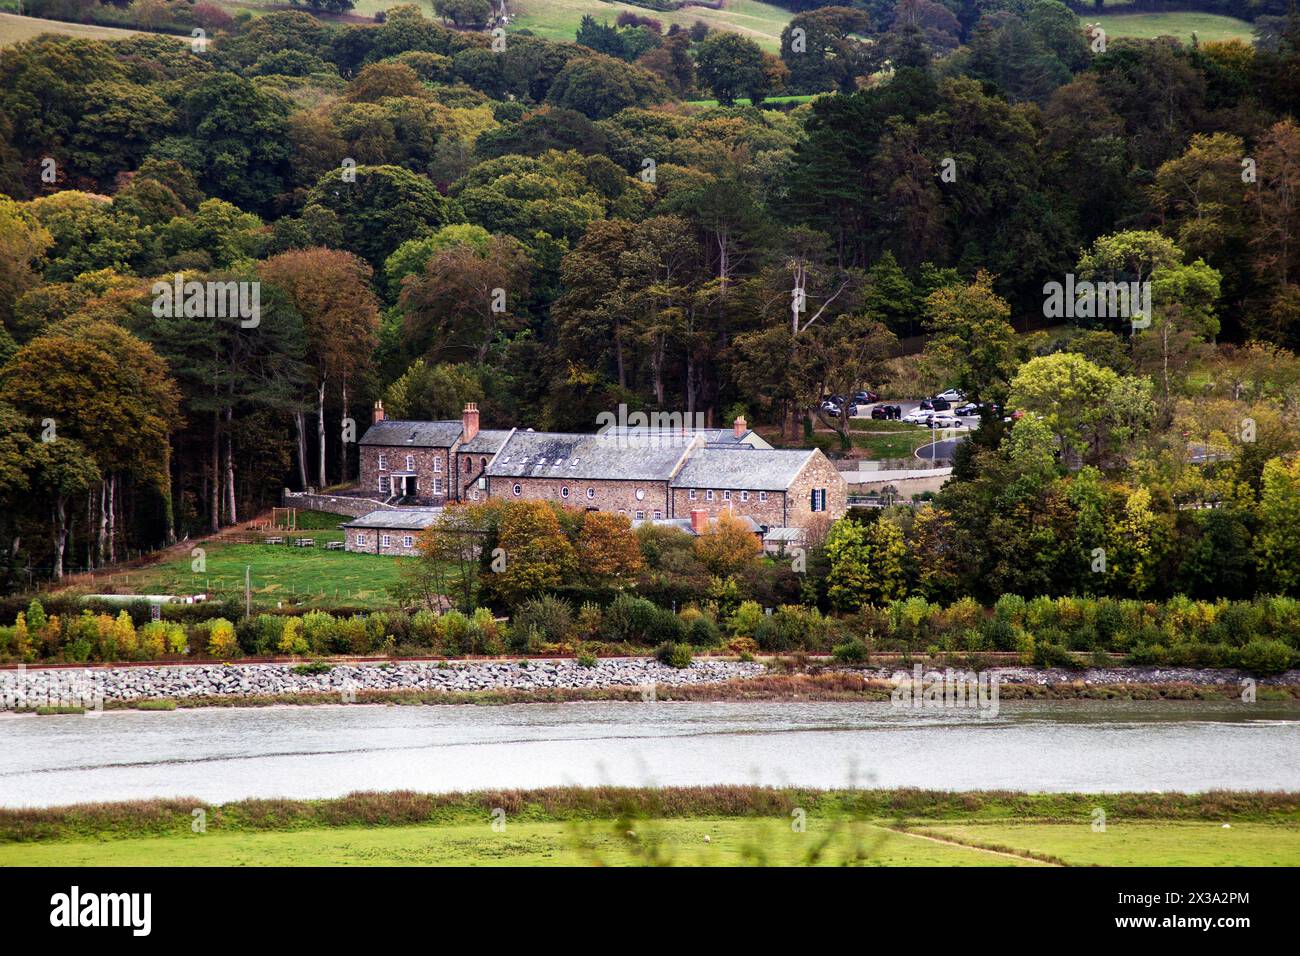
[(330, 504), (430, 465), (606, 494), (371, 541), (818, 473)]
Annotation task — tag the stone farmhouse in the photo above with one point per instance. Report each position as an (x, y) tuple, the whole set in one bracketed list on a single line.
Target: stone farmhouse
[(687, 477)]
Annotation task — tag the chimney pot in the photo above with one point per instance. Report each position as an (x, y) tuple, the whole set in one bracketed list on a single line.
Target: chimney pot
[(469, 421), (741, 426), (699, 520), (379, 411)]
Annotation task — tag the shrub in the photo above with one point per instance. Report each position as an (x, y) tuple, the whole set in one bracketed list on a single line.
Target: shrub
[(586, 659), (851, 652), (267, 630), (455, 634), (221, 640), (666, 628), (743, 647), (703, 632), (292, 640), (630, 619), (313, 667), (745, 621), (1264, 656), (1050, 654), (673, 655), (550, 617), (320, 631)]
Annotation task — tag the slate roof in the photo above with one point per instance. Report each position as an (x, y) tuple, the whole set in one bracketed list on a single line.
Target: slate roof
[(742, 467), (487, 442), (393, 432), (711, 436), (684, 524), (557, 455), (406, 519)]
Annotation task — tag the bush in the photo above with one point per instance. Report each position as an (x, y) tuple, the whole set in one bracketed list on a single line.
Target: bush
[(550, 617), (221, 640), (702, 632), (673, 655), (291, 638), (586, 659), (1264, 656), (630, 619), (851, 652), (1049, 654)]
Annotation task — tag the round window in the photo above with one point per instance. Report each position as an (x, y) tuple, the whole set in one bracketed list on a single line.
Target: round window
[(564, 492), (591, 492), (518, 491), (640, 493)]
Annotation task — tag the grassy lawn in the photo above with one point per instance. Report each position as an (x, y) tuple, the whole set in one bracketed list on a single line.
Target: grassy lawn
[(1206, 26), (732, 842), (1139, 844), (681, 842), (309, 577), (15, 29), (558, 19), (891, 443)]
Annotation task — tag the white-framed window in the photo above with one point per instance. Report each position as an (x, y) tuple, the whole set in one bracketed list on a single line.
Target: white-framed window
[(410, 463), (591, 493), (386, 540), (437, 464), (640, 516), (383, 462), (708, 495), (383, 484), (517, 489), (744, 496), (658, 514), (640, 494), (726, 496), (819, 499), (473, 495), (437, 486), (762, 496), (407, 541), (622, 511), (564, 492), (690, 495), (361, 539)]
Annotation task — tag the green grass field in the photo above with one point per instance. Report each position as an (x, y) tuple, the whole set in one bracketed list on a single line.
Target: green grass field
[(15, 29), (677, 842), (309, 577), (892, 443), (655, 842), (558, 19), (1138, 844), (1206, 26)]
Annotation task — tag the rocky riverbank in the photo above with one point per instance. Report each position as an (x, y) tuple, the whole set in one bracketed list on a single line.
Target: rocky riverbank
[(553, 680), (81, 687)]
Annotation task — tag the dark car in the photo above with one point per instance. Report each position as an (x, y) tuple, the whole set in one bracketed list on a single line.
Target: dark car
[(865, 397), (887, 412), (936, 405), (970, 408)]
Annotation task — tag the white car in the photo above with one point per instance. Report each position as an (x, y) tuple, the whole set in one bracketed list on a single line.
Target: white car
[(917, 416), (944, 420), (952, 395)]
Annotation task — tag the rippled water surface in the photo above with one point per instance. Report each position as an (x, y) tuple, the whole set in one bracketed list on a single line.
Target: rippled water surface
[(223, 754)]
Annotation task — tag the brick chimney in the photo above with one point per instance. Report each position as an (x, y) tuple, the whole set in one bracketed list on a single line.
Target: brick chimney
[(469, 421), (379, 411), (699, 520), (740, 426)]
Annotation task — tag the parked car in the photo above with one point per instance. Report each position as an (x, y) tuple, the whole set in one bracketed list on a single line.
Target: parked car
[(918, 416), (865, 397), (944, 420), (952, 395), (887, 412), (936, 404), (970, 408), (833, 410)]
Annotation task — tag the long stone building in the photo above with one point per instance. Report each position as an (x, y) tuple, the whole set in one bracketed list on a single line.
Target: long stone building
[(648, 475)]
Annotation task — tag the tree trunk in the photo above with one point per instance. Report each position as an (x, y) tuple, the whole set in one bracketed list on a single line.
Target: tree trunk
[(300, 424), (343, 443), (60, 536), (320, 431), (618, 354), (103, 523), (231, 510), (112, 519), (214, 491)]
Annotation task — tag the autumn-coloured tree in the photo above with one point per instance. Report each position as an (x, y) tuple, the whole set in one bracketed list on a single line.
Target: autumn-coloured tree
[(728, 546), (608, 547), (534, 553), (331, 291)]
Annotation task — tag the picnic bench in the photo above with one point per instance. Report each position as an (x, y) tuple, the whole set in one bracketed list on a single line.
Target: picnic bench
[(334, 545), (275, 540), (305, 542)]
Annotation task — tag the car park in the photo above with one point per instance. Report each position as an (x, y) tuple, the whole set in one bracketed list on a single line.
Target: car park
[(952, 395), (970, 408), (936, 404), (918, 416), (887, 413), (944, 420)]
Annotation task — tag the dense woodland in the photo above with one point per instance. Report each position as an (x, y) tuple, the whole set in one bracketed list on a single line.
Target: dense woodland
[(382, 182)]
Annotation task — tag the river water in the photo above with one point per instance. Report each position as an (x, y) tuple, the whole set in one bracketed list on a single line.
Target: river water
[(219, 754)]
